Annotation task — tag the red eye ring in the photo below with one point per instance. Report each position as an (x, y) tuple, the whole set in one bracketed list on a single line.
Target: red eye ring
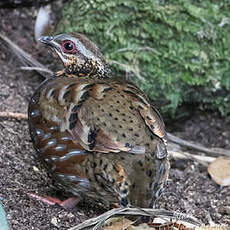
[(68, 46)]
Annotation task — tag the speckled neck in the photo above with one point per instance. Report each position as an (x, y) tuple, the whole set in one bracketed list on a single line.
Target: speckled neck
[(88, 69)]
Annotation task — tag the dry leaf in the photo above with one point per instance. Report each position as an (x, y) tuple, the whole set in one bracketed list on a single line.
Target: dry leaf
[(121, 223), (117, 223), (220, 171)]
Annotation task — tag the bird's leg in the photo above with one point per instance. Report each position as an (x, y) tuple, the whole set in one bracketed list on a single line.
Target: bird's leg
[(69, 203)]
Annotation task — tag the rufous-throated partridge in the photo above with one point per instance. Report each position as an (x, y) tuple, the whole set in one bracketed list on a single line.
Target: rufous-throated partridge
[(101, 138)]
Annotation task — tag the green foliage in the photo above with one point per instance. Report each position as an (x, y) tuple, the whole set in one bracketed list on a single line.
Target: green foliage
[(177, 51)]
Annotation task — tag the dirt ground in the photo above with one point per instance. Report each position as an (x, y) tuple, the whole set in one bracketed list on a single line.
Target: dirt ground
[(189, 190)]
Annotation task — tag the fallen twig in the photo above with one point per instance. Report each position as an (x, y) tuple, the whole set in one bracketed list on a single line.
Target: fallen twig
[(204, 160), (97, 222), (210, 151), (128, 68), (136, 49), (32, 68), (24, 56), (19, 116)]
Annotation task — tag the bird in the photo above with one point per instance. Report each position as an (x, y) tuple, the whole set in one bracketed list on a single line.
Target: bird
[(100, 136)]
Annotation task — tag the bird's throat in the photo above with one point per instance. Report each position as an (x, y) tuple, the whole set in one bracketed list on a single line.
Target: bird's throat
[(88, 69)]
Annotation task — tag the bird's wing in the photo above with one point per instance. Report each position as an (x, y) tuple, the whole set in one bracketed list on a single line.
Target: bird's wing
[(97, 138), (148, 112)]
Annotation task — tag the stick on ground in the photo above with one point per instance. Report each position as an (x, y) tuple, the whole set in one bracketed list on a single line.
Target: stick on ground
[(209, 151), (97, 222), (19, 116)]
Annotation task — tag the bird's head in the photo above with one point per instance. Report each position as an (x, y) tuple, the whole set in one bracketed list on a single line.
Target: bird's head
[(78, 54)]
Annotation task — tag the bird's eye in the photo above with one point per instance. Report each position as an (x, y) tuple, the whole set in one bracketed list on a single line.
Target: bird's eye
[(68, 46)]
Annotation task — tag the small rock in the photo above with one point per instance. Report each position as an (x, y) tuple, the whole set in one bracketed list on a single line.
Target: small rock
[(54, 221)]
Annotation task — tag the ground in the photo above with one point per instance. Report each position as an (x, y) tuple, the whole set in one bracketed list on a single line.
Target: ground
[(189, 190)]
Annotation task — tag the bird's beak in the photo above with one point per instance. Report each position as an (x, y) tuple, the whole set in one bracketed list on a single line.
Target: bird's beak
[(48, 40)]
